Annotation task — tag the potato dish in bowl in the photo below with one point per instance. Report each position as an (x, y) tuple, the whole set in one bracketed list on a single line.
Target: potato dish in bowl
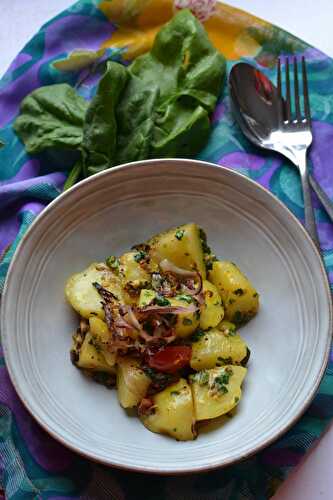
[(160, 323)]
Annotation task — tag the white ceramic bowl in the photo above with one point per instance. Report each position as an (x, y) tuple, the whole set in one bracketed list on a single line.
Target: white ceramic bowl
[(106, 214)]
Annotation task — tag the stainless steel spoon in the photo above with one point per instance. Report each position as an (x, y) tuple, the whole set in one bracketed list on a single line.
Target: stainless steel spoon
[(256, 105)]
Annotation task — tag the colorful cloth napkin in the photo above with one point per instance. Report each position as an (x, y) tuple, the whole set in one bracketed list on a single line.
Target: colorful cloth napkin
[(32, 464)]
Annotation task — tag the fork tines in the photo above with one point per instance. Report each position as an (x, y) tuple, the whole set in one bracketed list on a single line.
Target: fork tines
[(287, 111)]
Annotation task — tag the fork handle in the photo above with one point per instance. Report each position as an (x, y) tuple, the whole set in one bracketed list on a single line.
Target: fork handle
[(324, 199), (310, 222)]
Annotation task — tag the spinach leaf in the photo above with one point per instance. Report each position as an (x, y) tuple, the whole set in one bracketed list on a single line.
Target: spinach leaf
[(74, 175), (51, 117), (135, 117), (180, 130), (100, 126), (189, 73)]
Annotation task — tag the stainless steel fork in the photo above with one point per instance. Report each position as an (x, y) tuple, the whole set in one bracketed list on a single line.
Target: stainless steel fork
[(295, 133)]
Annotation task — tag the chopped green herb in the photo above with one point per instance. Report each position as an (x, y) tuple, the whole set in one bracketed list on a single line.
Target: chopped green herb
[(239, 292), (185, 298), (187, 321), (197, 314), (221, 381), (112, 262), (175, 429), (162, 301), (179, 234), (231, 301), (217, 303), (138, 257), (203, 237), (238, 317), (174, 393), (255, 295), (225, 361), (236, 399), (197, 335), (201, 378)]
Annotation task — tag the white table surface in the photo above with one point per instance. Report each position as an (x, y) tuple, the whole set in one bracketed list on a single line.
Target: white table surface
[(312, 21)]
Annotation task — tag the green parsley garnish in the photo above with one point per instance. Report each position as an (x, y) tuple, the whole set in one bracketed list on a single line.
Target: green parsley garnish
[(238, 317), (112, 262), (184, 297), (187, 321), (221, 381), (138, 257), (201, 378), (197, 335), (179, 234), (174, 393), (162, 301)]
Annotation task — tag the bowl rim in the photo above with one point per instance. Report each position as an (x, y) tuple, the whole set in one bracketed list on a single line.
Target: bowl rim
[(149, 470)]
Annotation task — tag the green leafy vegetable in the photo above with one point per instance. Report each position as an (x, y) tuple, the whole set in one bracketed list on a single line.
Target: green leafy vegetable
[(112, 262), (74, 175), (135, 116), (189, 72), (185, 298), (197, 335), (156, 107), (100, 126), (51, 117), (161, 301), (179, 234), (139, 256)]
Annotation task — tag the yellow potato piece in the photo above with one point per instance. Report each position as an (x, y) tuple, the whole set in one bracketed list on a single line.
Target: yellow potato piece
[(101, 337), (180, 245), (216, 348), (217, 391), (212, 311), (186, 323), (91, 359), (83, 296), (131, 271), (132, 382), (173, 413), (240, 298)]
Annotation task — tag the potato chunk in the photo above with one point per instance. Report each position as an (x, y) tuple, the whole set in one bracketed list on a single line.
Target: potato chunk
[(240, 298), (173, 412), (101, 338), (131, 271), (212, 311), (91, 359), (217, 391), (132, 382), (180, 245), (216, 348), (186, 322), (83, 296)]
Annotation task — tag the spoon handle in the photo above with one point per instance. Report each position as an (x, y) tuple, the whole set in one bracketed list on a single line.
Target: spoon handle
[(324, 199)]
